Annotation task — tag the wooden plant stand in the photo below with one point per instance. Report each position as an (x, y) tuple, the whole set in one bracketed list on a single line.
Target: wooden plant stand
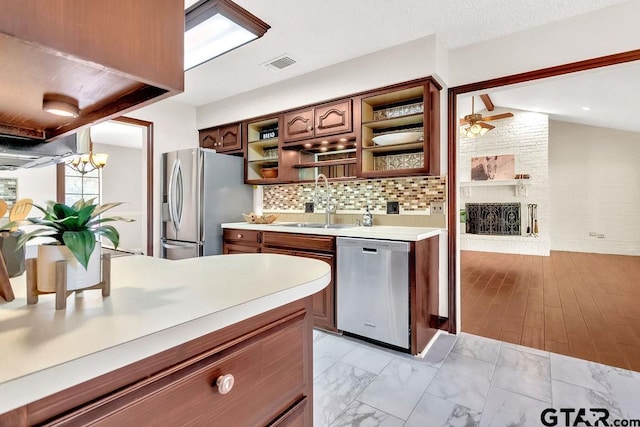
[(6, 292), (61, 282)]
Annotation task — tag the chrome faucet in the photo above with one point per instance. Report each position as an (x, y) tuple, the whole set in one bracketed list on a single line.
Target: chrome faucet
[(327, 207)]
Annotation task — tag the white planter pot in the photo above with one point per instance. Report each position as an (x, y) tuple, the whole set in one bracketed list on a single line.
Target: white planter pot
[(77, 276)]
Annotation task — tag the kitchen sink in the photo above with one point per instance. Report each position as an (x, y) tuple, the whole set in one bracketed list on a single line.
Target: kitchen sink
[(315, 225)]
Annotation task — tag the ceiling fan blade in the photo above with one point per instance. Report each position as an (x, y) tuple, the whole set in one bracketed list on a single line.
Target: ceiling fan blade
[(464, 121), (497, 117), (488, 126)]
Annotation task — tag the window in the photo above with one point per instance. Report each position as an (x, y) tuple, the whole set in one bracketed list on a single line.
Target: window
[(79, 186)]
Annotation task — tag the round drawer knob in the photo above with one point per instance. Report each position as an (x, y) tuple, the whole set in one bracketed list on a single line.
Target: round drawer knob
[(225, 383), (239, 236)]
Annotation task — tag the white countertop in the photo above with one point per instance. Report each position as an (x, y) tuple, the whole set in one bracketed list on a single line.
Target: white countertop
[(155, 304), (386, 232)]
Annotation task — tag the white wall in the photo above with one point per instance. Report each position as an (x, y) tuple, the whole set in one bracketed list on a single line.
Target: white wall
[(595, 187), (174, 128), (124, 180), (525, 135), (38, 184), (606, 31), (388, 66)]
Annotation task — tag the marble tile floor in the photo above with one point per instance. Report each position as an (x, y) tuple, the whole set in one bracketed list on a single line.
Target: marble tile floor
[(463, 380)]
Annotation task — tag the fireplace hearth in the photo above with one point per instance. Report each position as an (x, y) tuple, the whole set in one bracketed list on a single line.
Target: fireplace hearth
[(495, 219)]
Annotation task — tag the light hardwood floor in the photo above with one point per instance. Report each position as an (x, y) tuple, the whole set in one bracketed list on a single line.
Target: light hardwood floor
[(579, 304)]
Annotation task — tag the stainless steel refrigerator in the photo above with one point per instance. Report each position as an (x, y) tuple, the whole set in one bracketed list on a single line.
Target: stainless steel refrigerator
[(200, 190)]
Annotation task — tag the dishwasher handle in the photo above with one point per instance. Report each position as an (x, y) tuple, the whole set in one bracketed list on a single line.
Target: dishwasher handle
[(372, 251)]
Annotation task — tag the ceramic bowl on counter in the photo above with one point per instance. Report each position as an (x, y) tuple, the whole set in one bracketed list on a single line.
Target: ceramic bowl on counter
[(269, 172)]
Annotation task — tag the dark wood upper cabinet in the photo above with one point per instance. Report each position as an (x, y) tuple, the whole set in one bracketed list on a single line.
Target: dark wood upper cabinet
[(319, 121), (64, 49), (298, 125), (222, 139), (333, 118)]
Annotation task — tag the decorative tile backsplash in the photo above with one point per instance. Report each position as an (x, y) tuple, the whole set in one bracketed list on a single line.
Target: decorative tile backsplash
[(414, 194), (398, 161)]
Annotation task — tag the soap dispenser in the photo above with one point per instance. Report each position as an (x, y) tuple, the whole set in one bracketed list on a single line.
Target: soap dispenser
[(367, 218)]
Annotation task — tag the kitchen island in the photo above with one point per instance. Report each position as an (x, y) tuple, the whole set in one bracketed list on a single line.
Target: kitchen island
[(166, 326)]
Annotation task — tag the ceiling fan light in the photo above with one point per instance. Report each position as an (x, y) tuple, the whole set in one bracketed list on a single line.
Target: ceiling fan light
[(475, 130)]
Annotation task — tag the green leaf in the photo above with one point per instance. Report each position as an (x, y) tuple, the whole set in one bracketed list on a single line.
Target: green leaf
[(84, 214), (104, 208), (14, 224), (81, 244), (109, 232), (109, 219), (63, 211), (41, 232)]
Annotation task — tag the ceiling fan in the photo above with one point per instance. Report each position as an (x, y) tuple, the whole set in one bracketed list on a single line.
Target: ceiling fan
[(476, 122)]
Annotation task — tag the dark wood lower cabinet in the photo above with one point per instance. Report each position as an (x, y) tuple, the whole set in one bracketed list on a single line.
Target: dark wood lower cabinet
[(423, 276), (269, 357), (302, 245)]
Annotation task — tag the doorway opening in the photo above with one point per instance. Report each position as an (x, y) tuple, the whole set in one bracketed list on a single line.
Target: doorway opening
[(575, 299), (127, 177)]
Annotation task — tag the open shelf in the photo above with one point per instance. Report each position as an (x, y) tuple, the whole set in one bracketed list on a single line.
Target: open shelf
[(326, 163), (395, 147), (411, 119), (261, 153), (271, 142)]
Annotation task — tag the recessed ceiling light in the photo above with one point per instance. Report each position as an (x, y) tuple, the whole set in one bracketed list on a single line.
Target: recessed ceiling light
[(325, 142), (339, 146), (586, 108), (323, 148), (307, 145), (343, 140), (214, 27)]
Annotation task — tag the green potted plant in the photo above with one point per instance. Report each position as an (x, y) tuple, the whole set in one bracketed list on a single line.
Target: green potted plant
[(74, 230)]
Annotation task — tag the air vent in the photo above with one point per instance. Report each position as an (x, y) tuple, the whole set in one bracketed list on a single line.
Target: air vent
[(279, 63)]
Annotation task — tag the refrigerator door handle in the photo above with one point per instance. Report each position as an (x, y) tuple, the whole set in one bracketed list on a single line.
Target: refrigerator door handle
[(174, 246), (175, 195)]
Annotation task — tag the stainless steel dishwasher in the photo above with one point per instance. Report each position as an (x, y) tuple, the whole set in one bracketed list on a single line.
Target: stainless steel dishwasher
[(373, 289)]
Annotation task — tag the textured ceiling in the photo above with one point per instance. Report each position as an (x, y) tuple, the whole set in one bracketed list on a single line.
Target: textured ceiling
[(321, 33), (610, 93)]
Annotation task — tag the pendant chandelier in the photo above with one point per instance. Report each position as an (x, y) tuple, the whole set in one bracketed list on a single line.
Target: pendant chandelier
[(88, 162)]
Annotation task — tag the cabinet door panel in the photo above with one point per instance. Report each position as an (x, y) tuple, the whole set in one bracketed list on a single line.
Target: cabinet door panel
[(208, 138), (323, 301), (298, 125), (333, 118), (278, 251), (229, 137)]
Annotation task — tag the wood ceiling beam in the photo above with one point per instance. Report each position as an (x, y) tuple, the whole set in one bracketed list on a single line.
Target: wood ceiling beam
[(487, 102)]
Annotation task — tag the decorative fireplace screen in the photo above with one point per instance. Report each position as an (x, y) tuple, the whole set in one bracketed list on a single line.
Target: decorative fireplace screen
[(498, 219)]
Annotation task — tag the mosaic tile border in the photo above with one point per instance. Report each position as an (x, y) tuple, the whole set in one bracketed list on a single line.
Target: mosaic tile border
[(414, 194)]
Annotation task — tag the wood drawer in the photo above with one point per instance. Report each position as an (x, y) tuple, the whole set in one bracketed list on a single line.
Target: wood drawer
[(299, 241), (298, 416), (186, 393), (246, 237), (230, 249)]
